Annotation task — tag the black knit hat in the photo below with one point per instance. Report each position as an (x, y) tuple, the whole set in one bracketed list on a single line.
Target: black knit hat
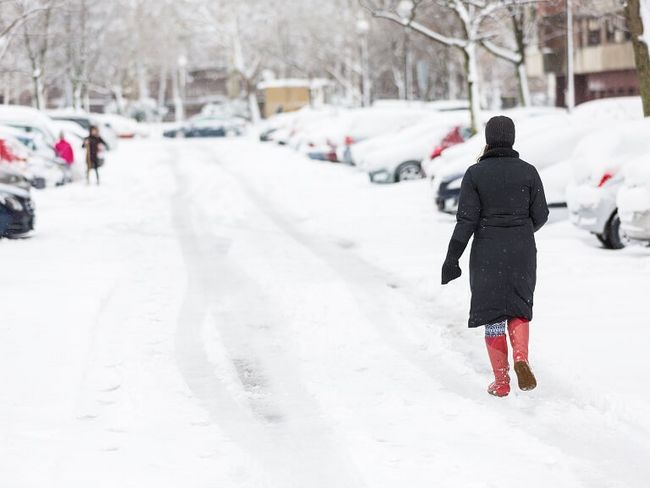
[(500, 132)]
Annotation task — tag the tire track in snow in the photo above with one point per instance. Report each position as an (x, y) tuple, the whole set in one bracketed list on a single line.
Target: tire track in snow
[(285, 451), (613, 442)]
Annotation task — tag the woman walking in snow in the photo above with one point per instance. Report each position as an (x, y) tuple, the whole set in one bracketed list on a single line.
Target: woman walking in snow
[(502, 204), (91, 144)]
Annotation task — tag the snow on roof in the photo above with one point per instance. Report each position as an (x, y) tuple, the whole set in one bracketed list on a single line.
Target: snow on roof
[(293, 83)]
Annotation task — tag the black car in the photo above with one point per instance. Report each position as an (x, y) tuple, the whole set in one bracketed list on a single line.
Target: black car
[(448, 193), (16, 211), (196, 132)]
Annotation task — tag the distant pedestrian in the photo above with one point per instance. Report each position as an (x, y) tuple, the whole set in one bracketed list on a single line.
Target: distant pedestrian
[(502, 204), (64, 151), (91, 144)]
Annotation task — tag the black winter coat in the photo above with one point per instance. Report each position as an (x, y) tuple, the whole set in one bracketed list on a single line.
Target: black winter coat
[(502, 204), (91, 144)]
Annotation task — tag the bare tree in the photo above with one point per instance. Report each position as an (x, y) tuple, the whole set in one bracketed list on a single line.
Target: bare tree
[(36, 37), (471, 16)]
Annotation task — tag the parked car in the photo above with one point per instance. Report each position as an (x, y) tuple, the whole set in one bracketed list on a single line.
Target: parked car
[(362, 124), (124, 127), (448, 192), (633, 199), (30, 158), (204, 128), (400, 157), (16, 211), (30, 121), (543, 139), (598, 164), (14, 178), (86, 121)]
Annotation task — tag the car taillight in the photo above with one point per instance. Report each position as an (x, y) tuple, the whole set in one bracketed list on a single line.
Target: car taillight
[(606, 177), (349, 140), (436, 152)]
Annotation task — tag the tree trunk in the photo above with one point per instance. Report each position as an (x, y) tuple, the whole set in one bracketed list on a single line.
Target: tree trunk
[(518, 16), (641, 55), (254, 107), (471, 68), (162, 89), (524, 90), (179, 109), (39, 95)]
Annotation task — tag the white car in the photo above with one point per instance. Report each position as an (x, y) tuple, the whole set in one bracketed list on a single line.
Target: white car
[(123, 127), (399, 156), (597, 167), (29, 120), (85, 120), (633, 199), (360, 124), (458, 158)]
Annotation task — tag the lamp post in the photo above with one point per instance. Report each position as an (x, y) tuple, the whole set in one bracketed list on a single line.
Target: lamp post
[(363, 27), (570, 87), (405, 11)]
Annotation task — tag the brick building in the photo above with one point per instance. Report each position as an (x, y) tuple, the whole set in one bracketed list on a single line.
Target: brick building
[(603, 54)]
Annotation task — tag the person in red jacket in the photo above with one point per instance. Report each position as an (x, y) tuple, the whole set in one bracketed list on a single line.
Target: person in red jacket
[(64, 151)]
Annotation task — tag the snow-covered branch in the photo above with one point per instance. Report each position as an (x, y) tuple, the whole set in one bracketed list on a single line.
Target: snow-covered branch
[(420, 28)]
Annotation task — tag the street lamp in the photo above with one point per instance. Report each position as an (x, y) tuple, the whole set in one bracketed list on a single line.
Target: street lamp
[(363, 27), (570, 87)]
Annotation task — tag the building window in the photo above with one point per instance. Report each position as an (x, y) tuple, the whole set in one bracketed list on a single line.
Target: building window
[(594, 32), (616, 31)]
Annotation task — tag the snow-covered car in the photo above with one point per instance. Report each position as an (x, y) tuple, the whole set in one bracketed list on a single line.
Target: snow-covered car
[(633, 199), (597, 165), (85, 121), (124, 127), (400, 156), (291, 127), (362, 124), (16, 211), (9, 176), (543, 140), (29, 120), (35, 159)]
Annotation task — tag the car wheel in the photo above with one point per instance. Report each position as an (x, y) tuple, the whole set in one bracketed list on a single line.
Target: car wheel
[(410, 170), (613, 237)]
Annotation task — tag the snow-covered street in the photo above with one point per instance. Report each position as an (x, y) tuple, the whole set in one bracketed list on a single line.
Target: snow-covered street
[(230, 314)]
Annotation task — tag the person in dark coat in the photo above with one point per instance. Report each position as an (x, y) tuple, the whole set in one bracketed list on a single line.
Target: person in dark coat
[(91, 144), (501, 204)]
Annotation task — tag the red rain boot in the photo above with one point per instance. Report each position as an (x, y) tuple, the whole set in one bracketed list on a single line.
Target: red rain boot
[(518, 331), (498, 352)]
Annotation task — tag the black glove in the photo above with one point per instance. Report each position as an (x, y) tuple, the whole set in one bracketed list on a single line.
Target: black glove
[(450, 268), (450, 271)]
